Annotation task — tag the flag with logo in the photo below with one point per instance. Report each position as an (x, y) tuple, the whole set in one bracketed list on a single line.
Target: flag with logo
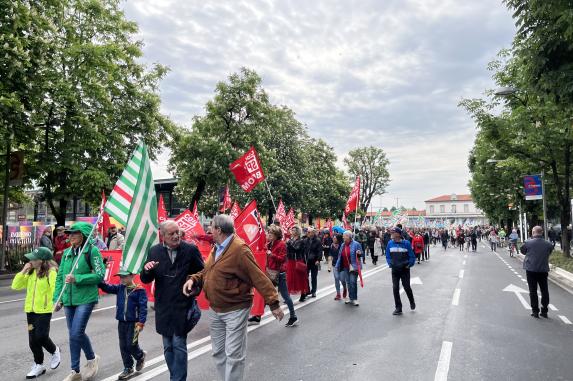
[(225, 201), (352, 203), (289, 220), (249, 227), (247, 170), (235, 210), (134, 205), (161, 211), (195, 212)]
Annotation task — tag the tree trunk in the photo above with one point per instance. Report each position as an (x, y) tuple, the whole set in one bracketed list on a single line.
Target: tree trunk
[(198, 193), (566, 203), (60, 212)]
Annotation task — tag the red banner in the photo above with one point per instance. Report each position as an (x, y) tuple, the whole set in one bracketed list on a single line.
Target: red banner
[(249, 227), (235, 210), (345, 223), (352, 203), (161, 211), (104, 223), (195, 212), (247, 170), (225, 201), (289, 220)]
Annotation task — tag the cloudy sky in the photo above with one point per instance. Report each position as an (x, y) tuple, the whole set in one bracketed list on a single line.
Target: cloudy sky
[(388, 73)]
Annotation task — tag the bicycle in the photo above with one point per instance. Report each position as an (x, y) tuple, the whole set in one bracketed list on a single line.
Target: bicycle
[(512, 248)]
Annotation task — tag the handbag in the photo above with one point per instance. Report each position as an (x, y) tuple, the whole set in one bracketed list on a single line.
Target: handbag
[(193, 316), (273, 276)]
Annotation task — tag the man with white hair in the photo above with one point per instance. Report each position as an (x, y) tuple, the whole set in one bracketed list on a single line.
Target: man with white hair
[(169, 264), (536, 264)]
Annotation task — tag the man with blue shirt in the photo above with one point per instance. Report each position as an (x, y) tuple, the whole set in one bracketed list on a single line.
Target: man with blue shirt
[(400, 258)]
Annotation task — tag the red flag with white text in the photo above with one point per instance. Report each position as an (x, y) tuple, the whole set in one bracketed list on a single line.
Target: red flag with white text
[(103, 223), (352, 203), (195, 212), (247, 170), (249, 227), (281, 212), (289, 220), (161, 211), (225, 201), (235, 210)]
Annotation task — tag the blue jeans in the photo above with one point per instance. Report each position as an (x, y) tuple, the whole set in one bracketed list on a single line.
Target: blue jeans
[(129, 349), (77, 319), (337, 280), (283, 289), (175, 351), (351, 279)]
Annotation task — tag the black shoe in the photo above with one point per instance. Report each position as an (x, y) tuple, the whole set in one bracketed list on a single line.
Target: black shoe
[(535, 315), (544, 314), (127, 372), (397, 312), (291, 322), (313, 295), (302, 298), (412, 306), (254, 320), (140, 363)]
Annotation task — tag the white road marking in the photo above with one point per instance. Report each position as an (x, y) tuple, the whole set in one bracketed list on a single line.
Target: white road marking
[(12, 301), (444, 362), (456, 298), (266, 319), (553, 308), (461, 274), (96, 310), (518, 291), (465, 256), (463, 263), (564, 319)]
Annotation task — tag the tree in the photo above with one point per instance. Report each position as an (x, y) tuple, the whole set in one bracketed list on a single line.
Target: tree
[(385, 209), (299, 169), (371, 164), (94, 101)]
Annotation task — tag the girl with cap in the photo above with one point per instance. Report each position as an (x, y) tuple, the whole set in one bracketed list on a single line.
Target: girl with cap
[(80, 296), (38, 277)]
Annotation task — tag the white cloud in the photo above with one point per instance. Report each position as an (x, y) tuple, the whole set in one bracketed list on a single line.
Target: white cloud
[(388, 73)]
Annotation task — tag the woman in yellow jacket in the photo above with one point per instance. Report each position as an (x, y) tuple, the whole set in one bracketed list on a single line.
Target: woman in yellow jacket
[(39, 278)]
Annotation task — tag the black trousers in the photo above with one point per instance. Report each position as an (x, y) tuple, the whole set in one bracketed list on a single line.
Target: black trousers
[(374, 257), (313, 272), (404, 276), (426, 253), (534, 279), (474, 245), (128, 347), (39, 335)]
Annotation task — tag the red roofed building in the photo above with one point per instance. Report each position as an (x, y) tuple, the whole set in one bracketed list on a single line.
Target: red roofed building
[(459, 209)]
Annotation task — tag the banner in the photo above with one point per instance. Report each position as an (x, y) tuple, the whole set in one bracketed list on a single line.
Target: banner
[(289, 221), (247, 170), (235, 210), (161, 211), (195, 212), (249, 227), (225, 201), (104, 222), (533, 187), (352, 203)]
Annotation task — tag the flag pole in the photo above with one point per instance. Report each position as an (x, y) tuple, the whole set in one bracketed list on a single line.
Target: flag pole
[(76, 261), (271, 195), (357, 203)]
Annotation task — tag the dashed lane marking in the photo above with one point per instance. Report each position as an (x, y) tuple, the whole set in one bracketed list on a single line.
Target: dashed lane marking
[(456, 297), (444, 362), (564, 319), (461, 275)]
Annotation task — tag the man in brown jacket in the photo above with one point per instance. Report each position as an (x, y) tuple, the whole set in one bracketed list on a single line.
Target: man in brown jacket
[(228, 279)]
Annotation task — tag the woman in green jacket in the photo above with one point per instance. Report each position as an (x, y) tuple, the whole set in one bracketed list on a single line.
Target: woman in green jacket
[(38, 277), (79, 296)]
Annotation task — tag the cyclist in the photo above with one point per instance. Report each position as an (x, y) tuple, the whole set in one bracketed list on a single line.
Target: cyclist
[(513, 237)]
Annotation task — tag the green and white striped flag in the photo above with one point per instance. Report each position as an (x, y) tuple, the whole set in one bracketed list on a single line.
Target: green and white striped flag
[(133, 204)]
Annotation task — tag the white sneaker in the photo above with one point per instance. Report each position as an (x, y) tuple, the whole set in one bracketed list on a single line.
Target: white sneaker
[(346, 301), (355, 303), (56, 359), (74, 376), (36, 371), (89, 371)]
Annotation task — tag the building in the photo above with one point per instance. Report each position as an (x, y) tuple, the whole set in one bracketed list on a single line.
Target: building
[(455, 209)]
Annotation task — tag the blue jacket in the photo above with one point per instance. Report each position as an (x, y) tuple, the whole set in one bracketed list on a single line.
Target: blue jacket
[(132, 310), (400, 255), (354, 247)]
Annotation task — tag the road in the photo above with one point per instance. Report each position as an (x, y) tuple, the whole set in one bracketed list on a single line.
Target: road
[(465, 327)]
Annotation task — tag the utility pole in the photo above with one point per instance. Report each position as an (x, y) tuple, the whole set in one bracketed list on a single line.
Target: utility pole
[(544, 203), (9, 137)]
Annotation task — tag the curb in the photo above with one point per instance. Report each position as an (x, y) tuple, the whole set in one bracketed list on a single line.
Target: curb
[(6, 276), (557, 275)]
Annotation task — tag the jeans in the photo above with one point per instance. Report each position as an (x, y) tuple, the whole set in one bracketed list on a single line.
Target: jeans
[(39, 335), (337, 281), (129, 349), (312, 268), (351, 279), (404, 276), (283, 290), (77, 319), (175, 352), (493, 246), (534, 279), (229, 339)]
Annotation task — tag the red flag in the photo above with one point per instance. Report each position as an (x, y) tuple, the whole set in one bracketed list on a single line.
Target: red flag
[(235, 210), (247, 170), (352, 203), (249, 227), (195, 212), (189, 224), (161, 211), (103, 223), (225, 201), (289, 220), (281, 213), (329, 225), (345, 223)]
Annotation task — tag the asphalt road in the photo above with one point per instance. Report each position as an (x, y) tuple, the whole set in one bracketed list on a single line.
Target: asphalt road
[(465, 327)]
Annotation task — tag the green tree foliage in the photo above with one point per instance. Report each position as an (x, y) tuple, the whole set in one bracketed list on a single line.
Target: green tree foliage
[(533, 130), (371, 164), (300, 170), (91, 101)]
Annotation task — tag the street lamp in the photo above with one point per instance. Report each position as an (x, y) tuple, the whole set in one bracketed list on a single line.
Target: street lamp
[(505, 91)]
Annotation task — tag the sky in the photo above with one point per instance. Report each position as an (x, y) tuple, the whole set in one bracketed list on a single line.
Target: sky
[(357, 73)]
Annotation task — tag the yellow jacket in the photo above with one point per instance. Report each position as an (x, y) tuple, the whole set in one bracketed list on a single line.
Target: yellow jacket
[(39, 291)]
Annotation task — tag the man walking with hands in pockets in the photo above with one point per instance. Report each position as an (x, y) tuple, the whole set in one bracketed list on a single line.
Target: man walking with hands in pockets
[(228, 279)]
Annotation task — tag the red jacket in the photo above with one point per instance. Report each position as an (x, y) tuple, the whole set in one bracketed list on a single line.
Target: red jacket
[(418, 244), (277, 259), (61, 243)]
